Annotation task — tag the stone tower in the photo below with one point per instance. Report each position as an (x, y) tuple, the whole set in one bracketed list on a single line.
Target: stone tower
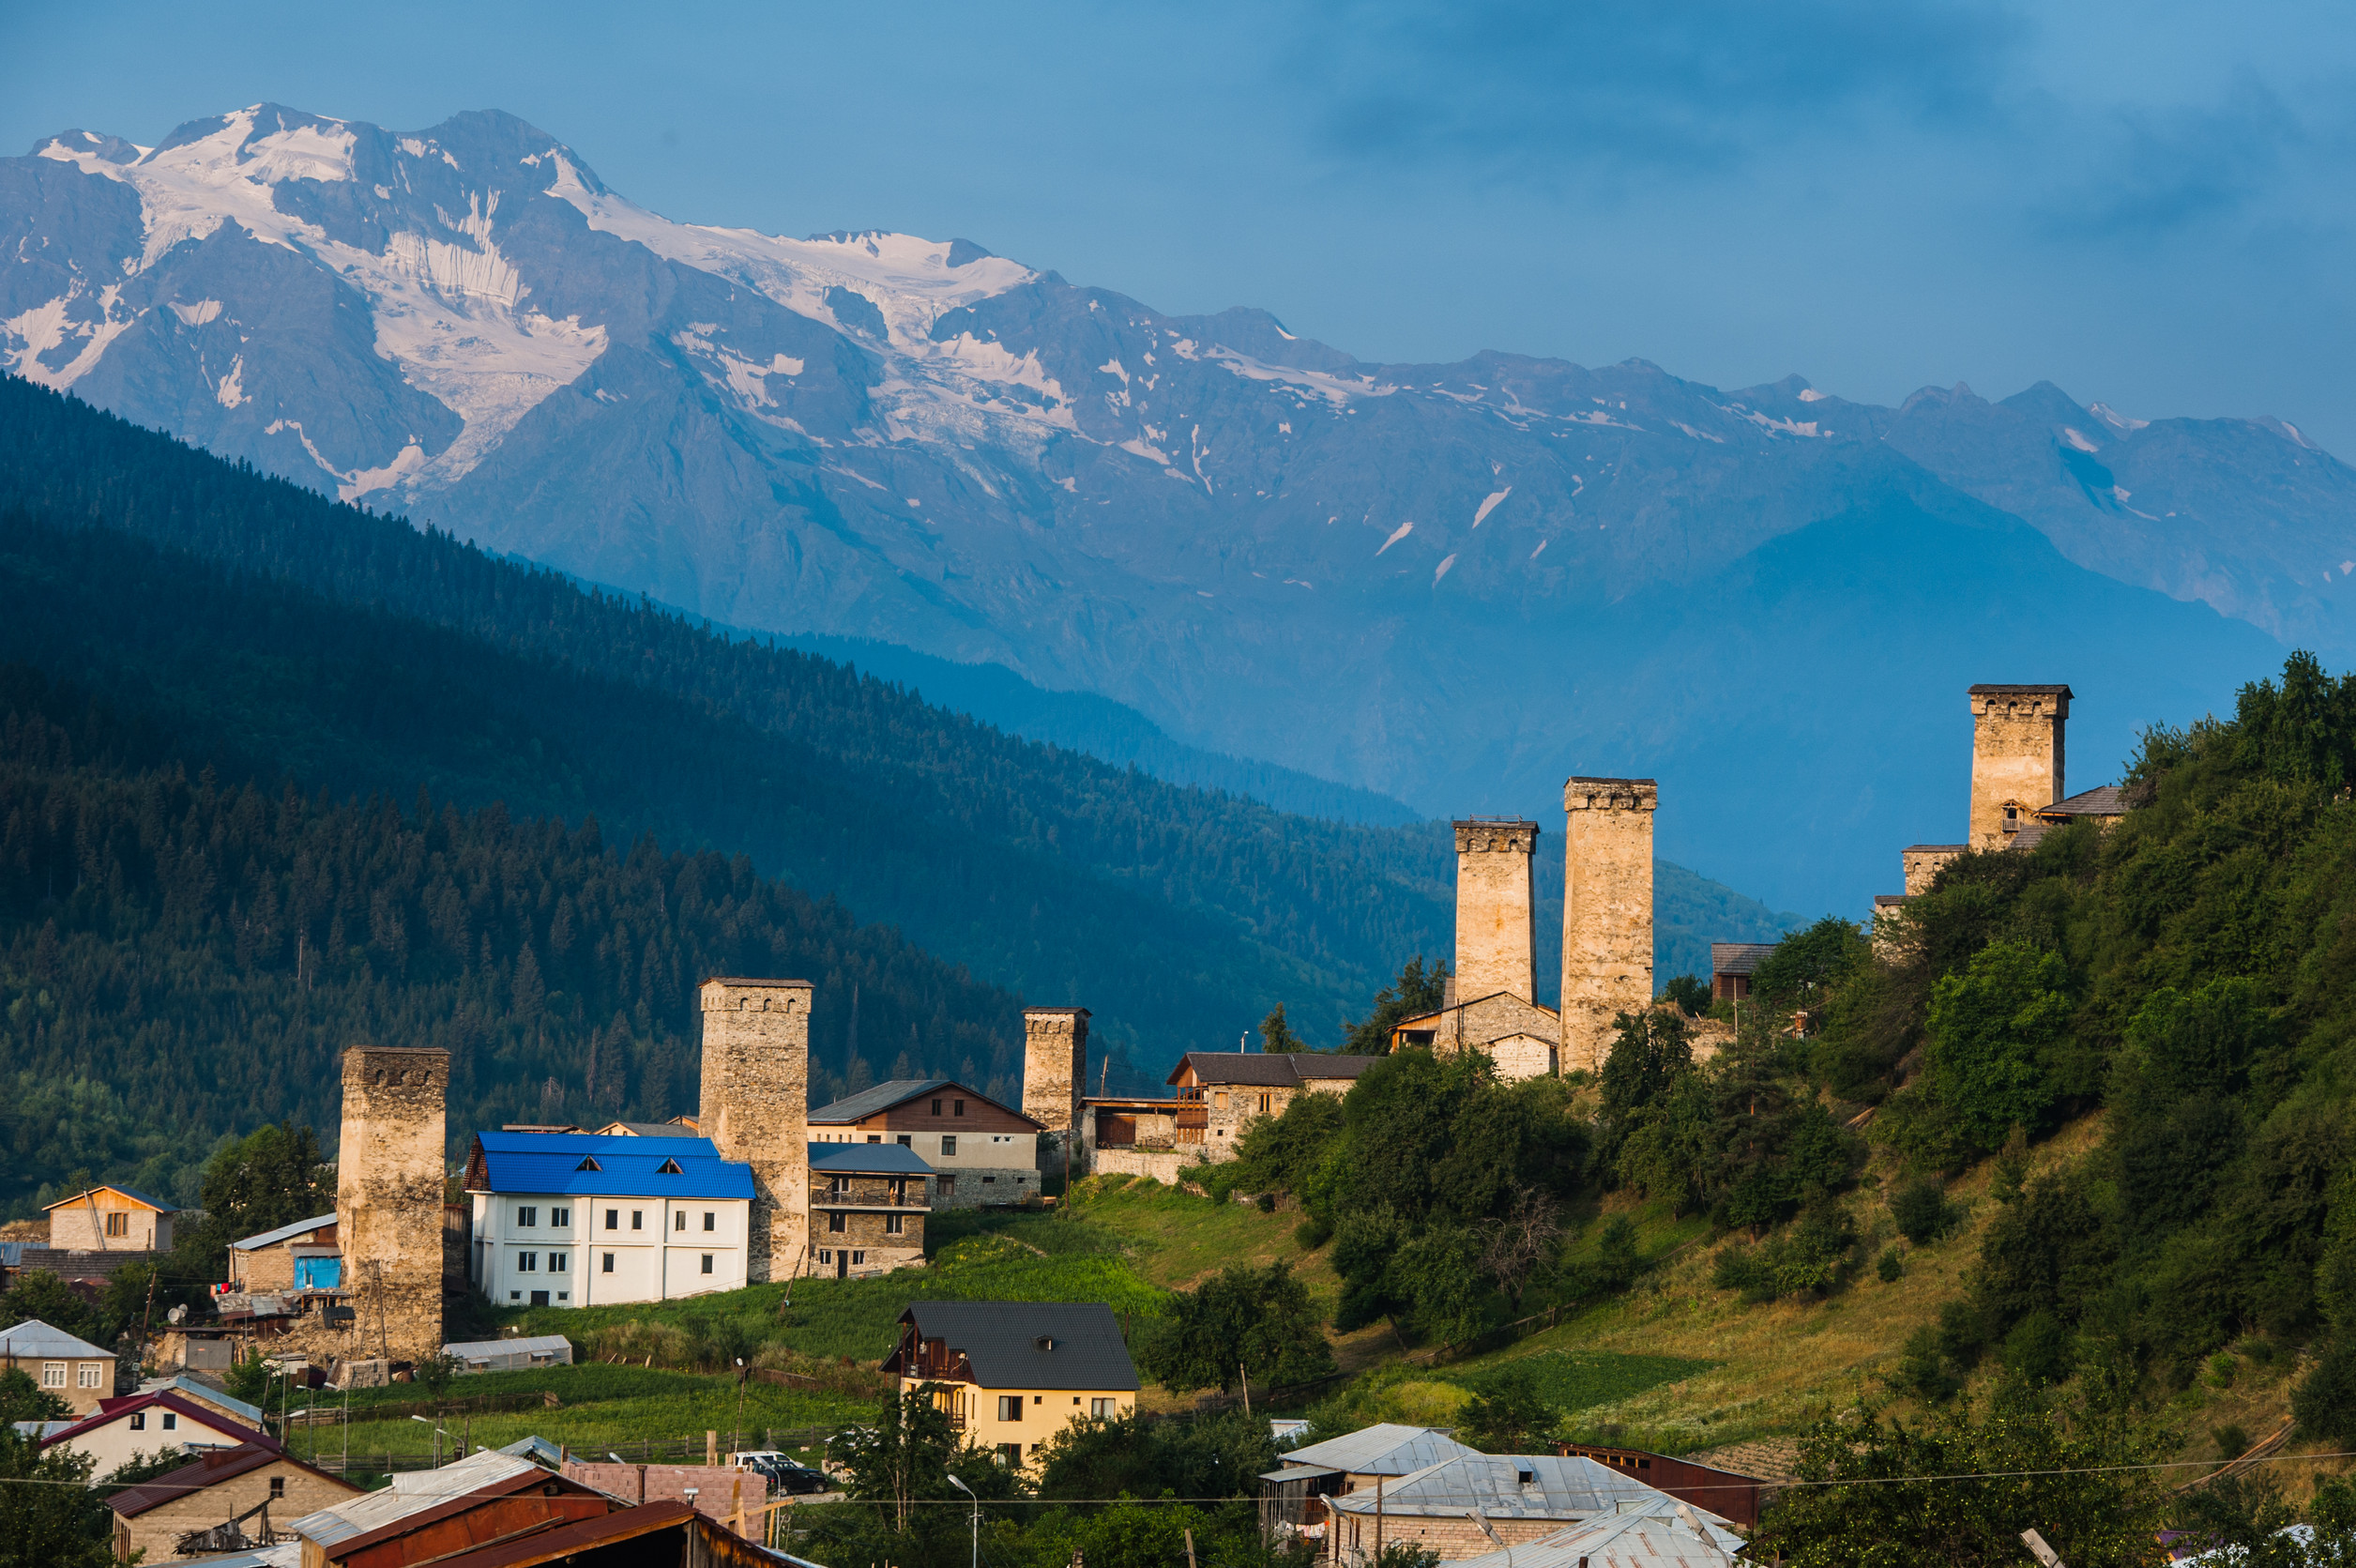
[(1055, 1065), (755, 1107), (388, 1174), (2016, 757), (1496, 928), (1607, 912)]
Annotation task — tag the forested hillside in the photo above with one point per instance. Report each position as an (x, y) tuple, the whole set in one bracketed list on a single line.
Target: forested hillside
[(183, 959), (357, 654)]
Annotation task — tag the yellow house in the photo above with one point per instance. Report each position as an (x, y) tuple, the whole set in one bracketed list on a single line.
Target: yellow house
[(111, 1219), (1013, 1374)]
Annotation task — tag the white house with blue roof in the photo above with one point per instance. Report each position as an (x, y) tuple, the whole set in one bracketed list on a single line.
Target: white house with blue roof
[(589, 1219)]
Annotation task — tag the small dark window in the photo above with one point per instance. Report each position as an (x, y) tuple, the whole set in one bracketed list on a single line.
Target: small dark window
[(904, 1141), (278, 1486), (606, 1267), (712, 1221), (588, 1162), (668, 1167), (678, 1220), (958, 1107), (875, 1137), (937, 1107), (171, 1422), (708, 1263), (613, 1219), (635, 1216), (895, 1225), (835, 1222), (139, 1420), (948, 1145), (527, 1215)]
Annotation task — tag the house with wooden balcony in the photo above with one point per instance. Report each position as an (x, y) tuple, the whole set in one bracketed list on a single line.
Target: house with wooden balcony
[(867, 1206), (980, 1152), (1010, 1375), (1220, 1093)]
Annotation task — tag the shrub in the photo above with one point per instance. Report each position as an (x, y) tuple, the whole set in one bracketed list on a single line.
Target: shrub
[(2039, 1349), (1312, 1233), (2325, 1400), (2232, 1440), (1923, 1370), (1889, 1266), (1923, 1212)]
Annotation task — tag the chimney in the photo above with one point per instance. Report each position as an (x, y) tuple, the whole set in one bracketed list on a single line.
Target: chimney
[(755, 1108), (1496, 929), (1607, 912), (2016, 757)]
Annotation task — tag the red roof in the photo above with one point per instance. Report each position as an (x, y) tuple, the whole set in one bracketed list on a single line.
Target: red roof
[(213, 1467), (110, 1409), (565, 1540)]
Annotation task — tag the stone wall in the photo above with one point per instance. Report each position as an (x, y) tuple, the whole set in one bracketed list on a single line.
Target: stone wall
[(1497, 927), (1451, 1539), (2017, 735), (755, 1107), (1055, 1075), (389, 1199), (977, 1186), (1606, 913), (1162, 1164), (1923, 863)]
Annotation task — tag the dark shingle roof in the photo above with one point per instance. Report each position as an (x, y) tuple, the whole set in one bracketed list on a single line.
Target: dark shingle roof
[(866, 1159), (883, 1097), (1935, 848), (2102, 802), (216, 1466), (1267, 1070), (1737, 958), (1000, 1340)]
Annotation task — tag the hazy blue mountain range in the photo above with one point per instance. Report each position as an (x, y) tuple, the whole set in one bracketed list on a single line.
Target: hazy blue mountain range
[(1448, 583)]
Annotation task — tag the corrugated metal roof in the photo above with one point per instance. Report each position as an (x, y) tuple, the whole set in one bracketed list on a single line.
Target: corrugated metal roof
[(202, 1392), (1000, 1340), (1558, 1488), (625, 1167), (411, 1492), (1654, 1532), (883, 1097), (1388, 1449), (272, 1237), (1737, 958), (888, 1159), (155, 1203), (528, 1345), (34, 1337)]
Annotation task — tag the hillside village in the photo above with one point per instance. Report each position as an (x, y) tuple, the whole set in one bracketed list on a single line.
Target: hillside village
[(548, 1257)]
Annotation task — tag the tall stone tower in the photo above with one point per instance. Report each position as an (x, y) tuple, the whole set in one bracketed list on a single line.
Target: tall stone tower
[(755, 1107), (1497, 927), (1054, 1076), (2016, 757), (389, 1172), (1607, 912)]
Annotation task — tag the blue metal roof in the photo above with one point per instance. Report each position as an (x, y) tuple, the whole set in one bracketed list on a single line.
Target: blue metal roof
[(867, 1158), (626, 1166)]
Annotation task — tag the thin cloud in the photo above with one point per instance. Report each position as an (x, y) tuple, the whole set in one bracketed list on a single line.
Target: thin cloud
[(2161, 171)]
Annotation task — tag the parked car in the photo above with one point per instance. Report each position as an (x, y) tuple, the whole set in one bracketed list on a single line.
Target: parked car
[(783, 1472)]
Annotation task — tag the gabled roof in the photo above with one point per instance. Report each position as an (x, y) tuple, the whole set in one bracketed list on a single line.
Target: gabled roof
[(1558, 1488), (1387, 1449), (155, 1203), (34, 1337), (1267, 1069), (885, 1097), (866, 1159), (283, 1233), (111, 1410), (212, 1467), (596, 1165), (1655, 1533), (1000, 1341), (1737, 958), (2101, 801), (645, 1129), (414, 1492), (204, 1393)]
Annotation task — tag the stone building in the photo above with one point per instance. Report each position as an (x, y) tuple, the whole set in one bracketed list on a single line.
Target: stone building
[(1607, 912), (1922, 862), (2018, 758), (1132, 1136), (1496, 912), (303, 1256), (60, 1365), (1055, 1075), (109, 1219), (1522, 1497), (755, 1108), (1219, 1092), (867, 1208), (980, 1151), (1516, 1033), (223, 1483), (388, 1196)]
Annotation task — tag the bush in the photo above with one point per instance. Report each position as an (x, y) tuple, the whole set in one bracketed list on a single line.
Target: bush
[(1891, 1266), (2325, 1400), (1923, 1370), (1923, 1212), (2039, 1350), (1689, 993), (2232, 1440), (1312, 1233)]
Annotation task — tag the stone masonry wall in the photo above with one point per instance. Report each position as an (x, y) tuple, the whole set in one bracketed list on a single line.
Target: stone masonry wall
[(1922, 862), (1055, 1075), (1607, 912), (1496, 928), (2018, 734), (755, 1107), (388, 1197)]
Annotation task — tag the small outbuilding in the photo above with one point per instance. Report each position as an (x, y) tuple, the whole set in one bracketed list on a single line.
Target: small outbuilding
[(510, 1354), (109, 1219), (1731, 965)]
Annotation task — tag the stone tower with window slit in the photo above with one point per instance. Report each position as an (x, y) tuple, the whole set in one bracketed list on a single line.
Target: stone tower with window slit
[(389, 1176), (755, 1107), (1497, 927), (1607, 912), (2017, 758)]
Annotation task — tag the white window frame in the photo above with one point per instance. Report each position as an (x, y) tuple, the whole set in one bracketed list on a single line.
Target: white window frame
[(53, 1374), (560, 1219), (528, 1216), (560, 1262), (86, 1375), (528, 1263)]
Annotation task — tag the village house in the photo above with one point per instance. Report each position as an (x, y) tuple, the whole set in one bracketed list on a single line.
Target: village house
[(1132, 1135), (446, 1515), (1731, 967), (66, 1368), (298, 1257), (248, 1493), (867, 1208), (144, 1423), (1015, 1373), (580, 1219), (1291, 1496), (980, 1151), (109, 1219), (1659, 1532), (1441, 1508), (1219, 1092), (198, 1391)]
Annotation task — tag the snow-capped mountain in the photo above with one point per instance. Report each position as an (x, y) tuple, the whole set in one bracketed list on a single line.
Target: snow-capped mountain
[(1417, 578)]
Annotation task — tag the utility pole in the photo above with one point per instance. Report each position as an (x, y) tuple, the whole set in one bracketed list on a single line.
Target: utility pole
[(977, 1521), (1379, 1521)]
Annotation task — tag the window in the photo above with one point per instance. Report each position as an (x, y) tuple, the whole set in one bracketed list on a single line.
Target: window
[(1104, 1409), (835, 1222), (560, 1262), (838, 1186), (561, 1218), (895, 1225), (515, 1295), (1010, 1407), (858, 1258), (1010, 1455), (1039, 1399), (564, 1295), (170, 1421), (937, 1107), (86, 1375), (668, 1167), (635, 1216), (527, 1262), (53, 1374), (678, 1221), (613, 1219), (139, 1420), (1264, 1101), (825, 1256), (957, 1107), (904, 1141), (708, 1263), (527, 1215), (948, 1185), (539, 1298), (875, 1137), (948, 1146), (988, 1180), (117, 1222), (712, 1221), (1219, 1099), (278, 1486), (605, 1263)]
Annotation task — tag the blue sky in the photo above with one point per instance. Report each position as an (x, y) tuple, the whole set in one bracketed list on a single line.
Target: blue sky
[(2147, 203)]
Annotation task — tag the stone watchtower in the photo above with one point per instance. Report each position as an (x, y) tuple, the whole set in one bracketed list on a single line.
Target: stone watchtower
[(1607, 912), (755, 1107), (2016, 757), (1054, 1076), (1496, 926), (388, 1196)]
